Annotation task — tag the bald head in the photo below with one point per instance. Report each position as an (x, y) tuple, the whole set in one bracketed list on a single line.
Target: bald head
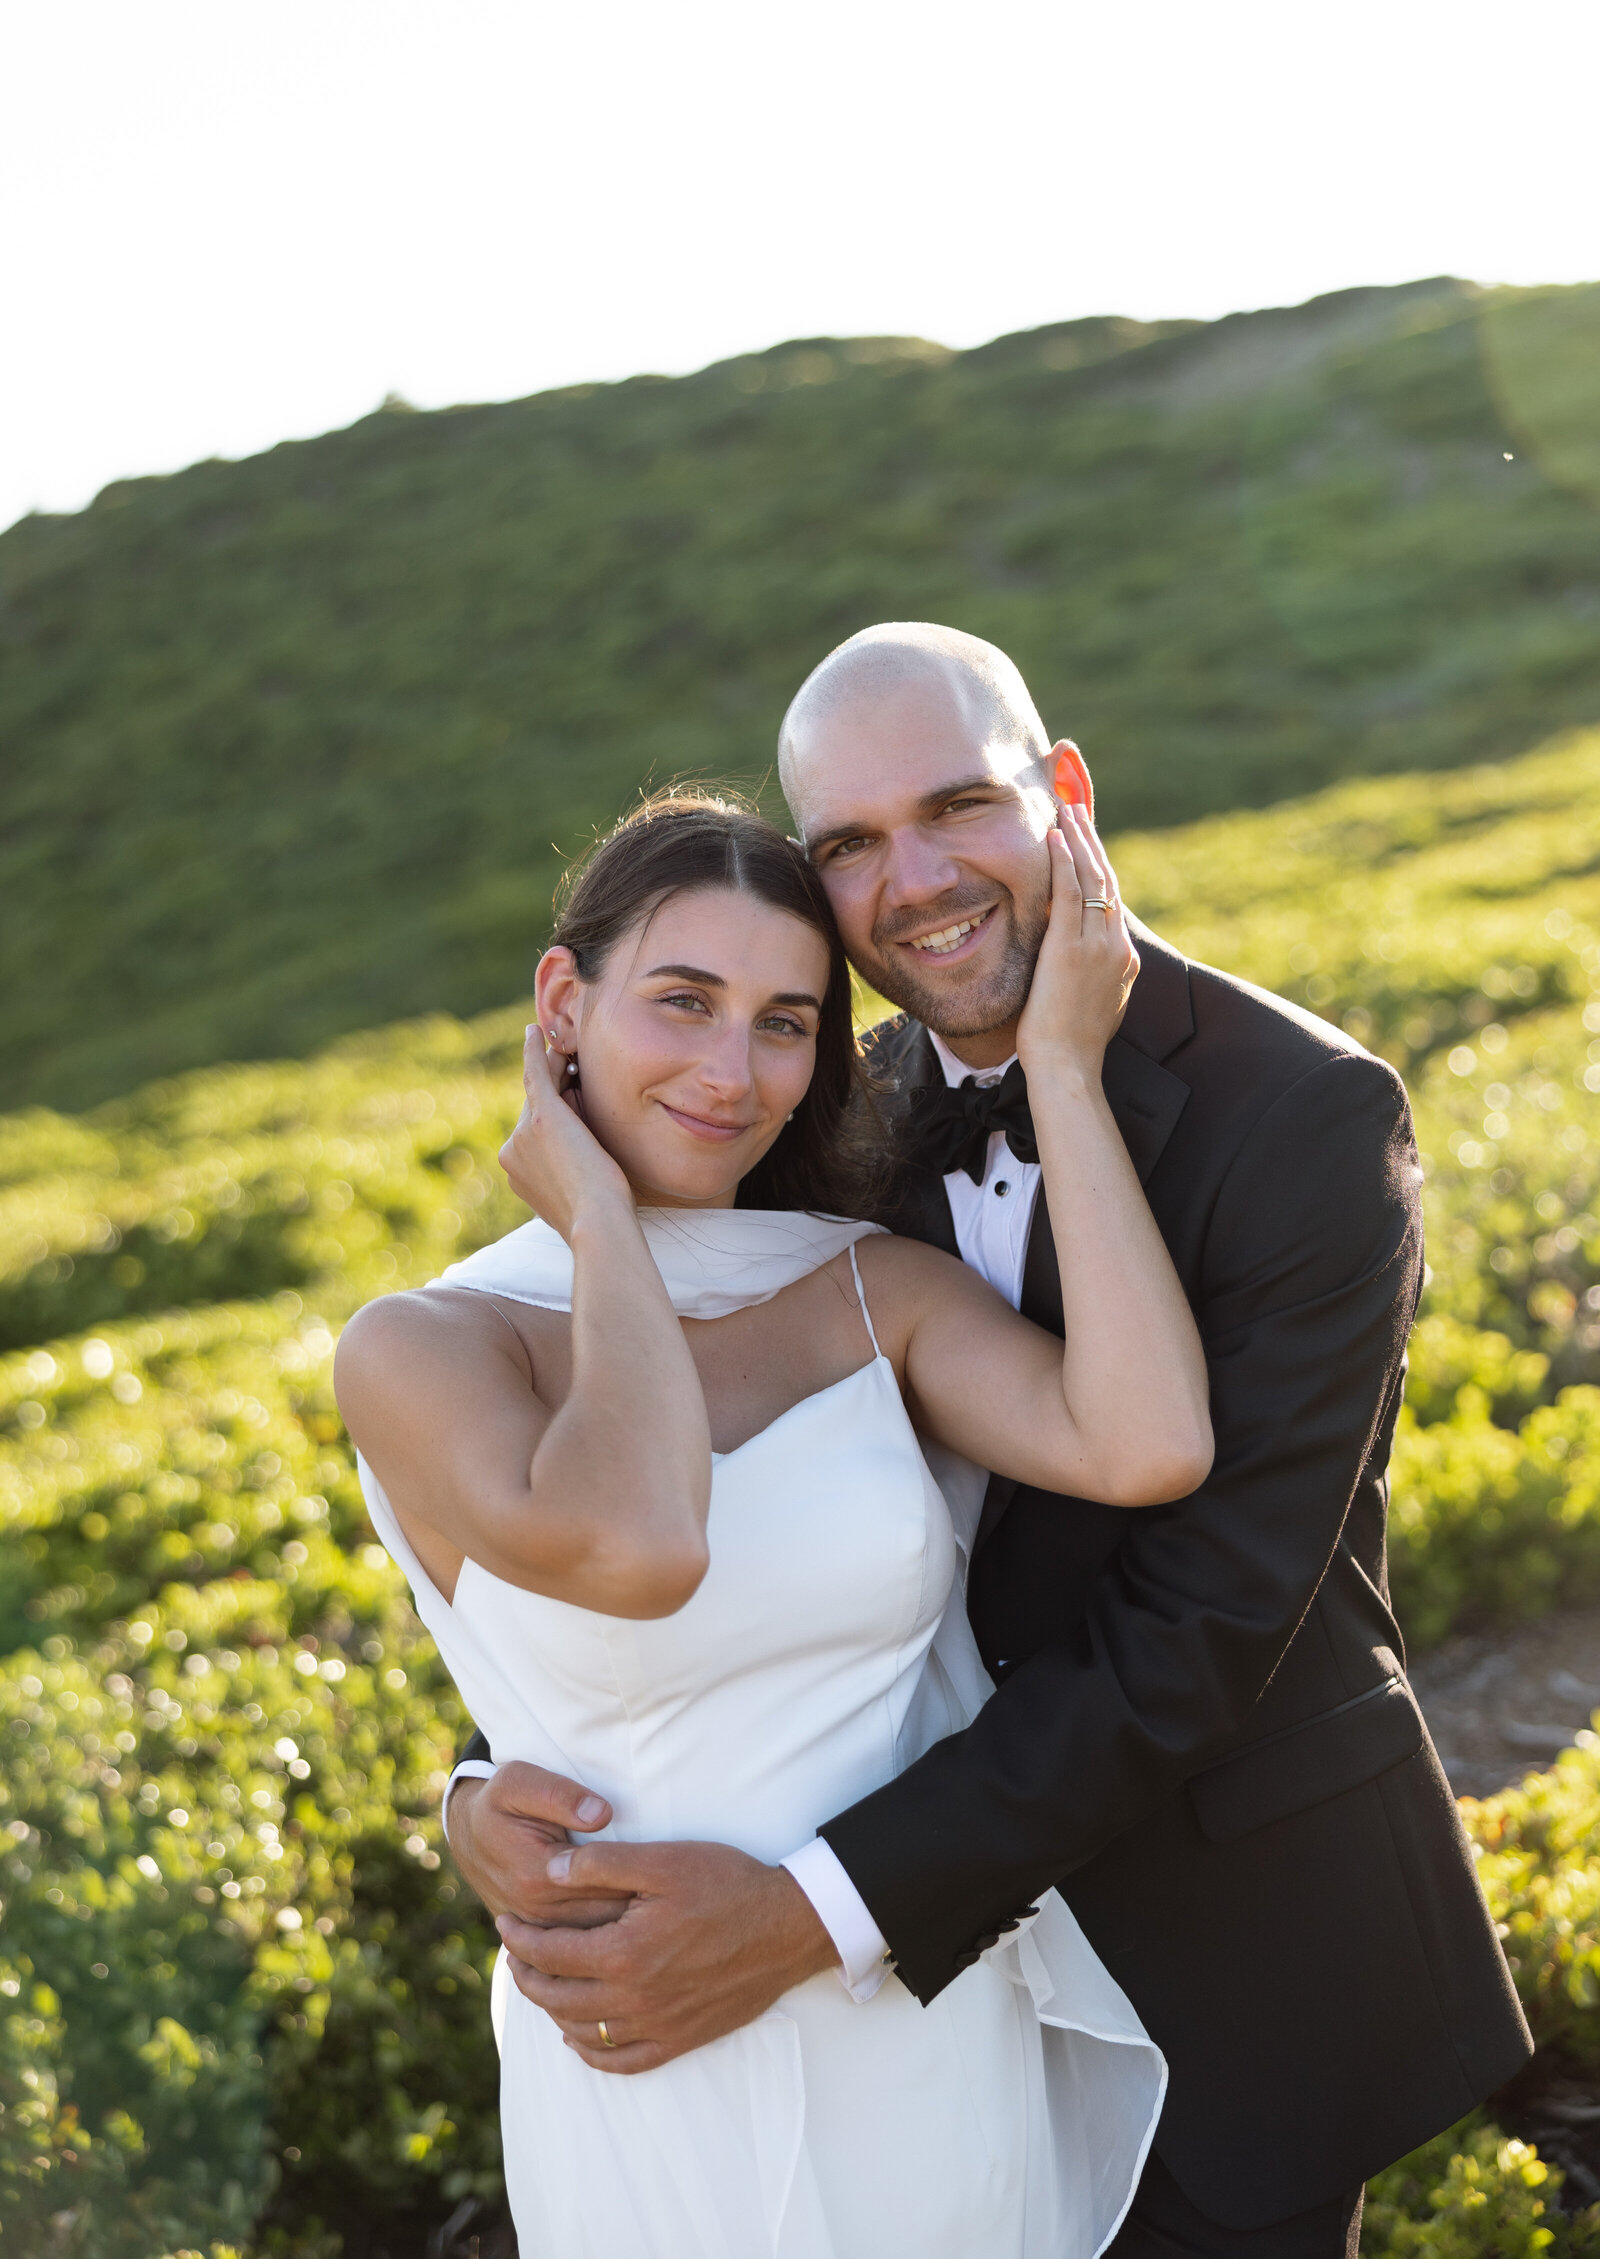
[(912, 663)]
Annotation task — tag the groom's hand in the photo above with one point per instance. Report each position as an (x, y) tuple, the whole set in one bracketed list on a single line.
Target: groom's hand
[(706, 1942), (502, 1833)]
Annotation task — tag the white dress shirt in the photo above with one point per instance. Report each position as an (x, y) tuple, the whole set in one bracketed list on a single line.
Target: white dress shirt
[(992, 1221)]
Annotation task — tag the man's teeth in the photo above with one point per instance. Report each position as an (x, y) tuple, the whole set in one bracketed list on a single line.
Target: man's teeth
[(940, 944)]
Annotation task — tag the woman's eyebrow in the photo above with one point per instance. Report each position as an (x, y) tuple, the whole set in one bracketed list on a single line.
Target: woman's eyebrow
[(686, 972)]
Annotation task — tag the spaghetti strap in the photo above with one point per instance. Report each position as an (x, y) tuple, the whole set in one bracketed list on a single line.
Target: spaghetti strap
[(861, 1298)]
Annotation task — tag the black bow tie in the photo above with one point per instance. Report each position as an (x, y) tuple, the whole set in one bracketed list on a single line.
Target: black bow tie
[(950, 1129)]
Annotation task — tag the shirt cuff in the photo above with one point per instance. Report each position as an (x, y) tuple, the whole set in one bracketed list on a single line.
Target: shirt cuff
[(470, 1768), (862, 1948)]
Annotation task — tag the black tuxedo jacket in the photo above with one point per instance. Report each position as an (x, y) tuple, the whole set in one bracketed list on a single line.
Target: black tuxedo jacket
[(1203, 1733)]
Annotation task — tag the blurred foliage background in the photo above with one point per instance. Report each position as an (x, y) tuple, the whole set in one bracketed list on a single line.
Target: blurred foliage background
[(298, 742), (301, 738)]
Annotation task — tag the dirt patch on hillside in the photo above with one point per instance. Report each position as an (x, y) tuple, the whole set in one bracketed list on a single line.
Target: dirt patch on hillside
[(1506, 1702)]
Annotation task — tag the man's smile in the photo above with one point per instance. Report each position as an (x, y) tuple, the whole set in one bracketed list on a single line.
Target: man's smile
[(952, 942)]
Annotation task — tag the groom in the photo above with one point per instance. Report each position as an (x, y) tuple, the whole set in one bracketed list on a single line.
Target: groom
[(1202, 1733)]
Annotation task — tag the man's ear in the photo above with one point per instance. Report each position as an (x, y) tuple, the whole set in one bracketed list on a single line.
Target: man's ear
[(1070, 779), (558, 998)]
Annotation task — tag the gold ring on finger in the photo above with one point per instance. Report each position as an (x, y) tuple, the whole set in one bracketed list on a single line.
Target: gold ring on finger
[(1097, 902), (606, 2039)]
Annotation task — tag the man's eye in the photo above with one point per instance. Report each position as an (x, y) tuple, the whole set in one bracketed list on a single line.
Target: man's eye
[(844, 847)]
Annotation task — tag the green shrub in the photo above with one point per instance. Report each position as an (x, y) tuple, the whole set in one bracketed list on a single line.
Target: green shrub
[(219, 1814), (1474, 2193), (1538, 1850), (362, 1171), (1488, 1523)]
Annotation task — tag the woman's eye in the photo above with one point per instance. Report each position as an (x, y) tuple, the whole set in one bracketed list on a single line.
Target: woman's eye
[(690, 1002), (783, 1026)]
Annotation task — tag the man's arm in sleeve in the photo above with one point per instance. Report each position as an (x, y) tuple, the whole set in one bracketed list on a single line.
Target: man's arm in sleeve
[(860, 1944), (473, 1764), (1308, 1297)]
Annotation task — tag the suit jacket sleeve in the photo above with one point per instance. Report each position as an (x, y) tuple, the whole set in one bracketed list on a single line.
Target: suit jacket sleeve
[(1309, 1284)]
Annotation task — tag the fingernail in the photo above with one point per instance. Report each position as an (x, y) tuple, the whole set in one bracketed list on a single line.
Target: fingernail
[(560, 1866), (590, 1810), (500, 1922)]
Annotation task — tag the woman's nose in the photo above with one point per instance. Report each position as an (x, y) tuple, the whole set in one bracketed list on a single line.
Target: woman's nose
[(725, 1065)]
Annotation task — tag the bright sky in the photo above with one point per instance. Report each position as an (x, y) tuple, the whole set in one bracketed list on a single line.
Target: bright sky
[(224, 224)]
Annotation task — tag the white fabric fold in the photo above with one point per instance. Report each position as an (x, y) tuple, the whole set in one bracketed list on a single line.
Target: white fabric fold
[(712, 1260)]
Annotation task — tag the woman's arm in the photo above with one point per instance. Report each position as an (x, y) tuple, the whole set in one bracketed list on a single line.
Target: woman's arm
[(1119, 1412), (601, 1500)]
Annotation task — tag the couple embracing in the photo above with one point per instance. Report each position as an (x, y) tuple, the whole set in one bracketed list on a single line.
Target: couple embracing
[(909, 1526)]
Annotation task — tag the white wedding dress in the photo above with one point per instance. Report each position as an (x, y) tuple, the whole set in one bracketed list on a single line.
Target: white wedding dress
[(825, 1650)]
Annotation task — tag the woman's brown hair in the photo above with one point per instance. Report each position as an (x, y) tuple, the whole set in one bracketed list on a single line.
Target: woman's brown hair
[(829, 1157)]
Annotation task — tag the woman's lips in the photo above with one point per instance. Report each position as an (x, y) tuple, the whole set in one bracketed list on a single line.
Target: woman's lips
[(714, 1133)]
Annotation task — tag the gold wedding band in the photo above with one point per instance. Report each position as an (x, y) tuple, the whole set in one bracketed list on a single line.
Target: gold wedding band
[(1097, 902), (606, 2039)]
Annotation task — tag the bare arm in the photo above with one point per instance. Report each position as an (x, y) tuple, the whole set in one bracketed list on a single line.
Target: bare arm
[(601, 1500), (1117, 1412)]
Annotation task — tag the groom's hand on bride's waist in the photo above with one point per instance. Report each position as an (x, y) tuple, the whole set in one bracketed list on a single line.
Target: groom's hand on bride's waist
[(502, 1832), (706, 1941)]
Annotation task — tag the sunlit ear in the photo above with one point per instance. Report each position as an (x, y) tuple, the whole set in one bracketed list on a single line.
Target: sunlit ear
[(558, 998), (1071, 780)]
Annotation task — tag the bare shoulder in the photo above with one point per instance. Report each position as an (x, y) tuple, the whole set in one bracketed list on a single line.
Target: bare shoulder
[(905, 1277), (394, 1322), (394, 1342)]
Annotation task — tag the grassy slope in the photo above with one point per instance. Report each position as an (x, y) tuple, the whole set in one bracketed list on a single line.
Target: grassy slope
[(291, 743)]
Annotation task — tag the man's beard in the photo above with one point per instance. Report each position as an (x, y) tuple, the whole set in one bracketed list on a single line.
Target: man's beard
[(992, 1003)]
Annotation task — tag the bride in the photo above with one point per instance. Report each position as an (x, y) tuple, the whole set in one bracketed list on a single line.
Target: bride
[(655, 1467)]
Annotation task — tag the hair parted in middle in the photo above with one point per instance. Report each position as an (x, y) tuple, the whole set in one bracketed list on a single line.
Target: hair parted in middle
[(831, 1156)]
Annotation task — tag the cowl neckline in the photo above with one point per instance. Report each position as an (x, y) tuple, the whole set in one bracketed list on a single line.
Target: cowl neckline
[(712, 1260)]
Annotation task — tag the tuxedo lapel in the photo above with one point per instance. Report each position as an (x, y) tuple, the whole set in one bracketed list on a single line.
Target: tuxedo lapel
[(1146, 1100)]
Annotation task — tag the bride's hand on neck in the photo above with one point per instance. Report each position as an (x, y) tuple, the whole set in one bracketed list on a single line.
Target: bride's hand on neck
[(1087, 965), (552, 1160)]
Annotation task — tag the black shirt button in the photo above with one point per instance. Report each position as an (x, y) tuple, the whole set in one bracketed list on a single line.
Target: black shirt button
[(1001, 1189)]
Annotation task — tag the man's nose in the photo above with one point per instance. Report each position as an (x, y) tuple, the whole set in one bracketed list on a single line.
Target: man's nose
[(917, 869)]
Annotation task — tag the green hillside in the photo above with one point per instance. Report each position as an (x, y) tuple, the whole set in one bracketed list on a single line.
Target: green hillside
[(290, 744), (242, 1999)]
